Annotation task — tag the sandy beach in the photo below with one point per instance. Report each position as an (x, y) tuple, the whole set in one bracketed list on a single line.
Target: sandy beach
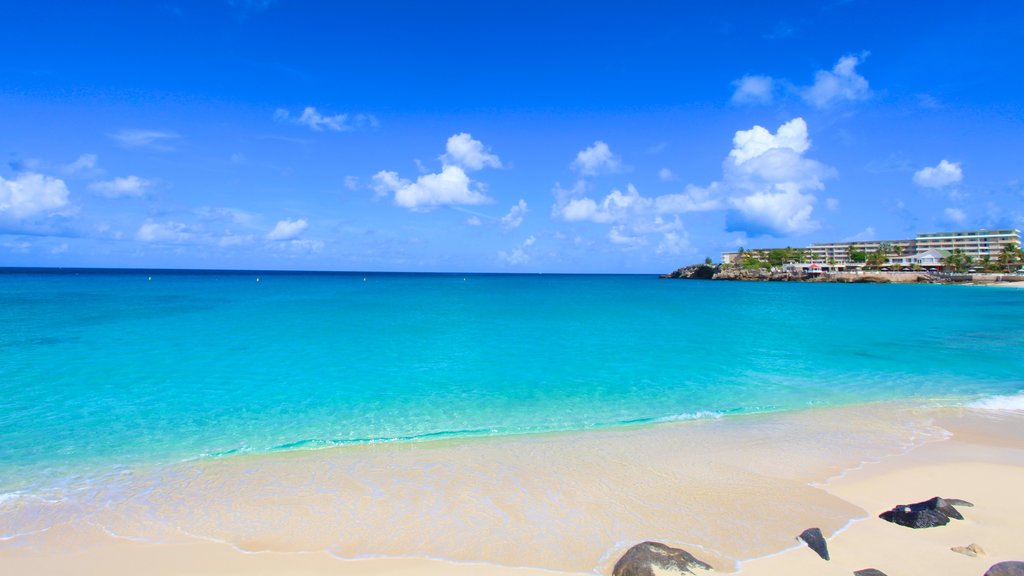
[(735, 495)]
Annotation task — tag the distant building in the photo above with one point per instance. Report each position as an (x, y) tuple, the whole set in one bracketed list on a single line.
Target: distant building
[(930, 258), (976, 244)]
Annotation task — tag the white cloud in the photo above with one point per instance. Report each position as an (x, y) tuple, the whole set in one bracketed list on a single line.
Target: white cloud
[(84, 163), (630, 214), (474, 221), (60, 248), (749, 144), (753, 90), (30, 194), (517, 256), (955, 215), (617, 235), (450, 187), (462, 150), (946, 173), (153, 139), (832, 204), (773, 178), (128, 186), (693, 199), (597, 159), (666, 175), (515, 215), (674, 243), (318, 122), (842, 83), (352, 182), (162, 233), (287, 229)]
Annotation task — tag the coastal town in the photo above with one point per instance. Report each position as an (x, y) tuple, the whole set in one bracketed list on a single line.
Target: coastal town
[(982, 256)]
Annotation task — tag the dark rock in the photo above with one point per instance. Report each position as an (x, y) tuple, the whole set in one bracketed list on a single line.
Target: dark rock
[(1011, 568), (869, 572), (642, 559), (927, 514), (695, 272), (815, 541)]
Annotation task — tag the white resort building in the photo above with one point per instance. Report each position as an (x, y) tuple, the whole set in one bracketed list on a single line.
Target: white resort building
[(926, 249)]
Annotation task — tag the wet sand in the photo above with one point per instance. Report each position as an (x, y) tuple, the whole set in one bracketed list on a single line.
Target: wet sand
[(733, 491)]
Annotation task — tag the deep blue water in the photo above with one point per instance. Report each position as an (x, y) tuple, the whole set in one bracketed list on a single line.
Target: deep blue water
[(110, 369)]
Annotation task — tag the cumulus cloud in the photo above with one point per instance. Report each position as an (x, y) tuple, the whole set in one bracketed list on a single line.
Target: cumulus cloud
[(153, 139), (630, 214), (318, 122), (163, 233), (287, 229), (597, 159), (842, 83), (515, 215), (773, 181), (31, 194), (462, 150), (519, 255), (449, 187), (946, 173), (128, 186), (753, 90)]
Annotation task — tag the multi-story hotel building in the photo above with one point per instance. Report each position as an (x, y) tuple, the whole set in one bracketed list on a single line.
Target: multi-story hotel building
[(974, 243)]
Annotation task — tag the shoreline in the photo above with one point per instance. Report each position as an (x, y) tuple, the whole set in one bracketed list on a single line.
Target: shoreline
[(825, 481), (720, 272)]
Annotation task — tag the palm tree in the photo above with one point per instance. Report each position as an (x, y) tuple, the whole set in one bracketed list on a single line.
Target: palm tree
[(1010, 257)]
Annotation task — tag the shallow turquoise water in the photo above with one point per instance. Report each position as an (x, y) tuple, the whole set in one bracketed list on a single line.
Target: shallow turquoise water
[(103, 371)]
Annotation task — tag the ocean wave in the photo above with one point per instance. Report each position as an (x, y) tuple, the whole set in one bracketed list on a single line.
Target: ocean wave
[(1013, 403)]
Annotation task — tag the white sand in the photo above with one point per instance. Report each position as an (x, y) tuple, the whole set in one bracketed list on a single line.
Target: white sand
[(983, 462)]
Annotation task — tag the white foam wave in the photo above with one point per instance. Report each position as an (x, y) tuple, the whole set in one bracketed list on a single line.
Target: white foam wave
[(1014, 403)]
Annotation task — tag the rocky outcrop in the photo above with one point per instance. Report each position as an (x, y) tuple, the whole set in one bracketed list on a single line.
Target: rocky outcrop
[(695, 272), (651, 558), (720, 272), (869, 572), (815, 541), (927, 514), (1011, 568)]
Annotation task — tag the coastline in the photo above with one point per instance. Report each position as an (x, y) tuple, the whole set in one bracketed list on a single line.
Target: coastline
[(720, 272), (778, 474)]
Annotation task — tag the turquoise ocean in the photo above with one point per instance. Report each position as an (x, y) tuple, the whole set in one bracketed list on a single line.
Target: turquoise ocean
[(106, 371)]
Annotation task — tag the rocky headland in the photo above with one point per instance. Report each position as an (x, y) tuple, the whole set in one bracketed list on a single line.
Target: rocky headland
[(719, 272)]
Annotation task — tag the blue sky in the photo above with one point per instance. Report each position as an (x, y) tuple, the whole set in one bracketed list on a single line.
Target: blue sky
[(525, 137)]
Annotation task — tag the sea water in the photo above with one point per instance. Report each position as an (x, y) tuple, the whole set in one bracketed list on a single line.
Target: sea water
[(106, 371)]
